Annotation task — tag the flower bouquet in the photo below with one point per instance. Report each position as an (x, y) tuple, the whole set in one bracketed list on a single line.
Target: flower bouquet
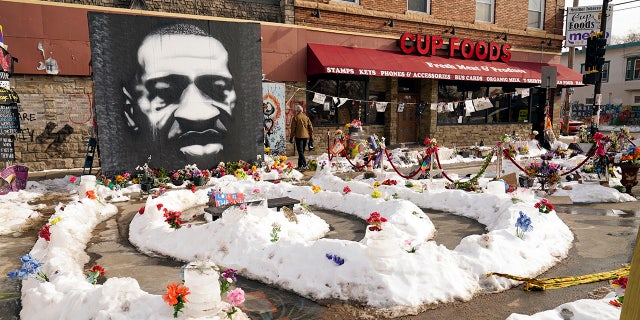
[(547, 173), (176, 297), (375, 221)]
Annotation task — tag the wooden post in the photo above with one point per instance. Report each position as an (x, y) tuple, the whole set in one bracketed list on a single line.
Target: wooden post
[(631, 305)]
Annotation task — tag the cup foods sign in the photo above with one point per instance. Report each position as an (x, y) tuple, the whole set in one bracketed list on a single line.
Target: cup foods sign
[(583, 21)]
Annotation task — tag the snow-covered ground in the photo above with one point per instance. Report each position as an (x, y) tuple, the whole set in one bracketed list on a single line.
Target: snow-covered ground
[(398, 269)]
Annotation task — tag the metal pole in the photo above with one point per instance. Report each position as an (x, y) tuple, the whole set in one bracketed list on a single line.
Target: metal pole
[(598, 85), (567, 95)]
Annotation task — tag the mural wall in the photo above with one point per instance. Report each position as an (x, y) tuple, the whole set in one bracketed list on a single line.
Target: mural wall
[(273, 108), (183, 91)]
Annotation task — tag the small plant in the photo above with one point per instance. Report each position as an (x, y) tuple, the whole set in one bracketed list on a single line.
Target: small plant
[(275, 231), (93, 274)]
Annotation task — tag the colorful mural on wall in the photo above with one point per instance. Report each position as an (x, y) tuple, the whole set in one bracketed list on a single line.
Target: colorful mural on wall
[(273, 108)]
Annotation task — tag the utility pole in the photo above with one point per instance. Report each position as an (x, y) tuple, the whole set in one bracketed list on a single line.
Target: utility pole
[(597, 97), (567, 95)]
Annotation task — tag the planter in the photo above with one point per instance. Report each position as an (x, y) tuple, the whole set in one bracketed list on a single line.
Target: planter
[(199, 181), (146, 184), (629, 176), (177, 182)]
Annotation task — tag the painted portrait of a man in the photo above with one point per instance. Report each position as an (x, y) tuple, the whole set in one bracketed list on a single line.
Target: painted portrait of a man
[(182, 91)]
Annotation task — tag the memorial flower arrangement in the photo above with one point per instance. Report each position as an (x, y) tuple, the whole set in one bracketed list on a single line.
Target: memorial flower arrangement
[(548, 173), (620, 286), (176, 297), (171, 217), (30, 267), (543, 206), (523, 224), (631, 156), (355, 124), (45, 232), (228, 280), (235, 297), (93, 274), (375, 221)]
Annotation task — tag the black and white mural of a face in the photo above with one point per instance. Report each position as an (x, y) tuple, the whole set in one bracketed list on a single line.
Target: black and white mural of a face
[(182, 91)]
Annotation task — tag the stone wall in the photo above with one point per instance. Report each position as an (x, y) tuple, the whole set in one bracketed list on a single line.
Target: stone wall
[(56, 119)]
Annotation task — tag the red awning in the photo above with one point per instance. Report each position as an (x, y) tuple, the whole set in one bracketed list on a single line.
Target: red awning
[(323, 58)]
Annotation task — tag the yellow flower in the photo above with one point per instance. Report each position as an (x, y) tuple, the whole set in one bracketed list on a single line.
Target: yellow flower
[(254, 168), (376, 184), (376, 193), (283, 158), (54, 221), (316, 189)]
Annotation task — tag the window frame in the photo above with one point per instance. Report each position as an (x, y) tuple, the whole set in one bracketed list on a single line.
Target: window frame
[(427, 4), (631, 72), (497, 114), (365, 107), (492, 11), (540, 11)]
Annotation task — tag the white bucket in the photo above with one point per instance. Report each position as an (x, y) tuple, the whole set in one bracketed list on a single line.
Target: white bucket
[(496, 187), (87, 183)]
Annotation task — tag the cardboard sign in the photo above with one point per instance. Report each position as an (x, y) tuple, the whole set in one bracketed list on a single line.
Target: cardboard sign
[(337, 148), (224, 199)]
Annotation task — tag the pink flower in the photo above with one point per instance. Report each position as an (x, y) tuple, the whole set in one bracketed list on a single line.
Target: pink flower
[(73, 179), (235, 296)]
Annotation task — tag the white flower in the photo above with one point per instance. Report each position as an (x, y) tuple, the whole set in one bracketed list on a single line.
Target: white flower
[(485, 240)]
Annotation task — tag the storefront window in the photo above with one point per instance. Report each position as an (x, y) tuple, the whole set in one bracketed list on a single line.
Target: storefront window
[(476, 104), (344, 100)]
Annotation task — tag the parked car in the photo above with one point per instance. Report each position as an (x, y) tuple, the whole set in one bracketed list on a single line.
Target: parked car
[(574, 126)]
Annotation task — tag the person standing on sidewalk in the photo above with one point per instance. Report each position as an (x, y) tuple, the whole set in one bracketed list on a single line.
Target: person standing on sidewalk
[(302, 131)]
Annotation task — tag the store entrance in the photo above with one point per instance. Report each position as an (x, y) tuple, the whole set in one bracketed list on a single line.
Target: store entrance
[(407, 119)]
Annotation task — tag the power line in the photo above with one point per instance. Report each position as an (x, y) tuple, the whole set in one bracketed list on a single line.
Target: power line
[(617, 4), (627, 8)]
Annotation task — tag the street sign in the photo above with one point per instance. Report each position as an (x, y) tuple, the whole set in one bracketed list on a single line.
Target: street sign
[(583, 21)]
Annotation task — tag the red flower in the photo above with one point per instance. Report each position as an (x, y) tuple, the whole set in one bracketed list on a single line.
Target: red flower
[(45, 233), (98, 269), (375, 221), (141, 211), (346, 189), (193, 188), (159, 206), (622, 282)]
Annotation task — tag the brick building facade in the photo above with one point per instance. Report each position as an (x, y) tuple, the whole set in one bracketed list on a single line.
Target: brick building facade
[(55, 109)]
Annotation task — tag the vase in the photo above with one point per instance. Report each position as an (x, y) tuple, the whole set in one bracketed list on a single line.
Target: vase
[(146, 184), (199, 181), (629, 176), (202, 279), (177, 182)]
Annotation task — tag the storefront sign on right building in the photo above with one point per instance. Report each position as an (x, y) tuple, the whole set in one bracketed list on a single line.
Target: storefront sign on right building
[(583, 21)]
